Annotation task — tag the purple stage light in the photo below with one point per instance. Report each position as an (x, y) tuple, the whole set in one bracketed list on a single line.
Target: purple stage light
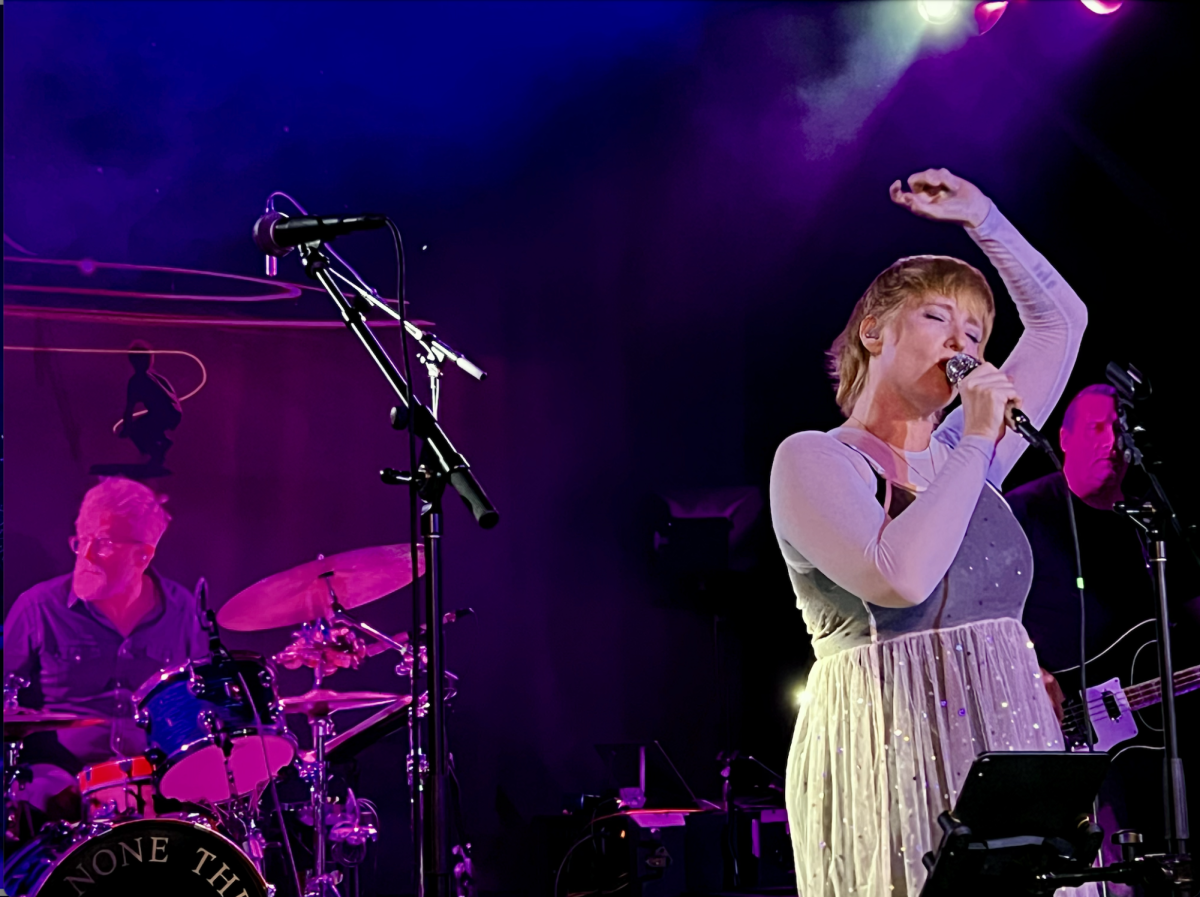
[(1102, 7), (988, 14)]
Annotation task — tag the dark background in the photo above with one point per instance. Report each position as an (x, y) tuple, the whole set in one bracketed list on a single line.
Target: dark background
[(646, 221)]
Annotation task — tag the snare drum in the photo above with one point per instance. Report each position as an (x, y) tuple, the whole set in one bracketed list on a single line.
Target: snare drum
[(139, 856), (117, 788), (199, 718)]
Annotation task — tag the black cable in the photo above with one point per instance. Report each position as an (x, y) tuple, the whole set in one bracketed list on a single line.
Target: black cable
[(567, 856), (1087, 720), (418, 816), (283, 833)]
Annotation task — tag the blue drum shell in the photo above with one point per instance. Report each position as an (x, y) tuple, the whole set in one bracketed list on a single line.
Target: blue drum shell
[(188, 706)]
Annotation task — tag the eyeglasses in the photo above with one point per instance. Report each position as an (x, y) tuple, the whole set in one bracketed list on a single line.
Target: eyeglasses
[(104, 546)]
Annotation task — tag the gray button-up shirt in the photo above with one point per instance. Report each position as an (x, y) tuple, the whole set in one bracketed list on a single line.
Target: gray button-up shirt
[(79, 662)]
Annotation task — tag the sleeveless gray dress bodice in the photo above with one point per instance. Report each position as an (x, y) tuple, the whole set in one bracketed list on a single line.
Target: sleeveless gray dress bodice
[(988, 580)]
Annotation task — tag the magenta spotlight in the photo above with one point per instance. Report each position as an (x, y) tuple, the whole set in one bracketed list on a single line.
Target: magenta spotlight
[(988, 14), (1102, 7)]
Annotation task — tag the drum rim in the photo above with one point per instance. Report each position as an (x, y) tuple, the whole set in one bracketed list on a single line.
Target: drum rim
[(186, 750), (115, 762), (121, 783), (171, 674), (82, 837)]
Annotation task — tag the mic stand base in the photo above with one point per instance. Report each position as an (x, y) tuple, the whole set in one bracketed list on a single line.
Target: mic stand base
[(1165, 874)]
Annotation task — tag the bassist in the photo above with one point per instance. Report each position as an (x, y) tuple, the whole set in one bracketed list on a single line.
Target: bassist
[(1118, 594)]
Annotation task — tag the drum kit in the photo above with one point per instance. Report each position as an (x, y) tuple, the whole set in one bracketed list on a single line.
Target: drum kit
[(191, 814)]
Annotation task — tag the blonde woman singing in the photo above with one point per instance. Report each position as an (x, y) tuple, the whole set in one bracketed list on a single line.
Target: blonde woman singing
[(909, 567)]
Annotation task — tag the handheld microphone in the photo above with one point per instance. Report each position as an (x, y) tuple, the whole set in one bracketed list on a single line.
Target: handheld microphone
[(276, 234), (962, 364)]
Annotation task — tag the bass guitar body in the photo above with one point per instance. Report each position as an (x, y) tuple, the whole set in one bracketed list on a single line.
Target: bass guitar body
[(1112, 702)]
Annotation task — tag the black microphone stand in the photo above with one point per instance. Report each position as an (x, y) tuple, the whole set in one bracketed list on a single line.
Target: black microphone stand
[(440, 465), (1152, 516)]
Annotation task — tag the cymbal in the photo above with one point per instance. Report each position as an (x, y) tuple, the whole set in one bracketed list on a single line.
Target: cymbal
[(302, 593), (324, 701), (383, 722), (23, 722)]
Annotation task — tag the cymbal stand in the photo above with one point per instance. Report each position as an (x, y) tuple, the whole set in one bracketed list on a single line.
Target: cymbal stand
[(14, 773), (322, 882)]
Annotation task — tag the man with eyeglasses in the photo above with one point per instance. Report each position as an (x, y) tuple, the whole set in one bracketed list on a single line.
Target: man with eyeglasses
[(87, 640)]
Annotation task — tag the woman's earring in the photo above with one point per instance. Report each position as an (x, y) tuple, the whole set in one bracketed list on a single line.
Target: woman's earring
[(144, 558)]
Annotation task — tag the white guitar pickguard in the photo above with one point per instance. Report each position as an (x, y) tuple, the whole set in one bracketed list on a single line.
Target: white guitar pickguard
[(1109, 731)]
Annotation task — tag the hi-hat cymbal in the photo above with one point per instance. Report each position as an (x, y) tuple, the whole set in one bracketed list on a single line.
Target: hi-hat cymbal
[(302, 593), (323, 701), (21, 723)]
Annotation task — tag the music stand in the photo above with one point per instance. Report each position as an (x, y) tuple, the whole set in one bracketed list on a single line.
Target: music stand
[(1019, 815)]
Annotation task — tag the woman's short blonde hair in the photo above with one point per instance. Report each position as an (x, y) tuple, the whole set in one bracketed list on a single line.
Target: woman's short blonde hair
[(907, 281), (135, 502)]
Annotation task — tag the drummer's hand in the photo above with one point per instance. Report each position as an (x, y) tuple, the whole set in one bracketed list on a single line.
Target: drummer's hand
[(1054, 690), (942, 196)]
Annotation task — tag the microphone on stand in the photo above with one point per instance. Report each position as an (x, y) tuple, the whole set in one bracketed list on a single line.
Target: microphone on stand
[(276, 234), (1017, 420)]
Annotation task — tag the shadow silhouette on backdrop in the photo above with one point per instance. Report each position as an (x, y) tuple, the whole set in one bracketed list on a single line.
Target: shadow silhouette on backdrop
[(147, 428)]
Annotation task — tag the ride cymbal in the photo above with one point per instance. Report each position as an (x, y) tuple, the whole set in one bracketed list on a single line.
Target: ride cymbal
[(302, 593)]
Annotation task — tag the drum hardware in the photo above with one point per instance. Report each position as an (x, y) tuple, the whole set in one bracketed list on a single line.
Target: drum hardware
[(15, 775), (351, 828), (320, 882), (325, 643), (423, 767), (318, 644), (13, 684), (19, 723), (318, 704)]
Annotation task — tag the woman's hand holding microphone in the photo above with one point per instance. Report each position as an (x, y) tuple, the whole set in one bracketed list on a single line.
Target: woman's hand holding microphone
[(987, 395)]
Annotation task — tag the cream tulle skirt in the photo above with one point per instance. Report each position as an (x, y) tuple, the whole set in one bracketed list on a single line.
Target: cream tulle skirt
[(885, 739)]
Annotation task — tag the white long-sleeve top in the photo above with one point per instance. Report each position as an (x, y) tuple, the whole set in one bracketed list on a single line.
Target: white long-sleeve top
[(841, 547)]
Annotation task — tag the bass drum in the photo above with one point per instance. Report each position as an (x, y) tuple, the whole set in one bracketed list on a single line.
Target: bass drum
[(142, 856)]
